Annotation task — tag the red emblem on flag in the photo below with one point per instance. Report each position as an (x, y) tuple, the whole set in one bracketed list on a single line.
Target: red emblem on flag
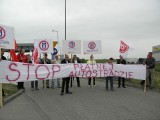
[(123, 47)]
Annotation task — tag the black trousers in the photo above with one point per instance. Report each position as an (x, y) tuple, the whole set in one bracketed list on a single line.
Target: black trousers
[(3, 93), (119, 81), (20, 85), (78, 81), (72, 80), (65, 81), (89, 81)]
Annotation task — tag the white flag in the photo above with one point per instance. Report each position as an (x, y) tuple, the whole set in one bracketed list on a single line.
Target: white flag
[(92, 47), (125, 49), (7, 37), (44, 45), (71, 46)]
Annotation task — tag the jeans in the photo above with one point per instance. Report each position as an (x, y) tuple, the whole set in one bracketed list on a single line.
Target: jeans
[(111, 82)]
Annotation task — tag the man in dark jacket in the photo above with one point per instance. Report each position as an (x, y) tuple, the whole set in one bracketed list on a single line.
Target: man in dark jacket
[(65, 81), (76, 60), (45, 60), (121, 61)]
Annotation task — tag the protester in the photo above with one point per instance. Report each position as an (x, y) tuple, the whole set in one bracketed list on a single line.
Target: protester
[(121, 61), (34, 84), (22, 58), (65, 81), (2, 58), (91, 61), (57, 61), (76, 60), (45, 60), (150, 68), (110, 77)]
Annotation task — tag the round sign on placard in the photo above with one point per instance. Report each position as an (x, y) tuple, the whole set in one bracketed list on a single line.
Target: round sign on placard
[(72, 44), (92, 45), (44, 45), (2, 33)]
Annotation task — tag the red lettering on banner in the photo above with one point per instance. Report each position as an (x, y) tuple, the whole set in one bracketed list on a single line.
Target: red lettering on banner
[(95, 71), (11, 69), (104, 67), (53, 69), (81, 66), (89, 74), (83, 73), (130, 74), (99, 66), (37, 70), (105, 73), (87, 67), (28, 69), (76, 66), (111, 72), (116, 73), (71, 74), (121, 73)]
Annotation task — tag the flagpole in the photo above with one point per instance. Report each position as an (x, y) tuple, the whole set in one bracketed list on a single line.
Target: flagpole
[(1, 97)]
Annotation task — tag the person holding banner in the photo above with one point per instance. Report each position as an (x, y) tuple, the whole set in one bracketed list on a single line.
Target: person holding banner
[(76, 60), (91, 61), (33, 83), (121, 61), (57, 61), (150, 66), (2, 58), (45, 60), (22, 58), (110, 77), (65, 81)]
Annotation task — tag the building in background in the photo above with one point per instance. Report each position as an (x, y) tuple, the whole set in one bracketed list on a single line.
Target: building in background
[(156, 52)]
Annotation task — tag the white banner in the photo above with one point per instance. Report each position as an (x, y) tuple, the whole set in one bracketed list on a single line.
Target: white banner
[(71, 46), (44, 46), (16, 72), (7, 37), (92, 47)]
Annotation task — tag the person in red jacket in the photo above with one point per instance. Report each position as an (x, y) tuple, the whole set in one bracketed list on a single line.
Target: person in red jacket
[(22, 58)]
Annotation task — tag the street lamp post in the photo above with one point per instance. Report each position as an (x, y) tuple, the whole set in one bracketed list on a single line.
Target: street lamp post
[(57, 38), (65, 19)]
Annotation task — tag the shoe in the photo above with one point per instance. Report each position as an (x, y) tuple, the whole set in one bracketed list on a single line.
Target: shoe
[(78, 86), (37, 88), (118, 86), (89, 85), (69, 93), (112, 89), (62, 93), (48, 87), (94, 85), (124, 87), (32, 89)]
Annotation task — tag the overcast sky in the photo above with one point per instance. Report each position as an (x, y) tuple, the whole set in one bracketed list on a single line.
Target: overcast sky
[(136, 22)]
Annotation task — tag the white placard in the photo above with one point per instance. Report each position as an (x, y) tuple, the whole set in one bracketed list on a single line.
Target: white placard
[(71, 46), (44, 45), (92, 47), (7, 37)]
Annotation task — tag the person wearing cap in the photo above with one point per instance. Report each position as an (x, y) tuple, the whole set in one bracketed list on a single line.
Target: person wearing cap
[(65, 81)]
